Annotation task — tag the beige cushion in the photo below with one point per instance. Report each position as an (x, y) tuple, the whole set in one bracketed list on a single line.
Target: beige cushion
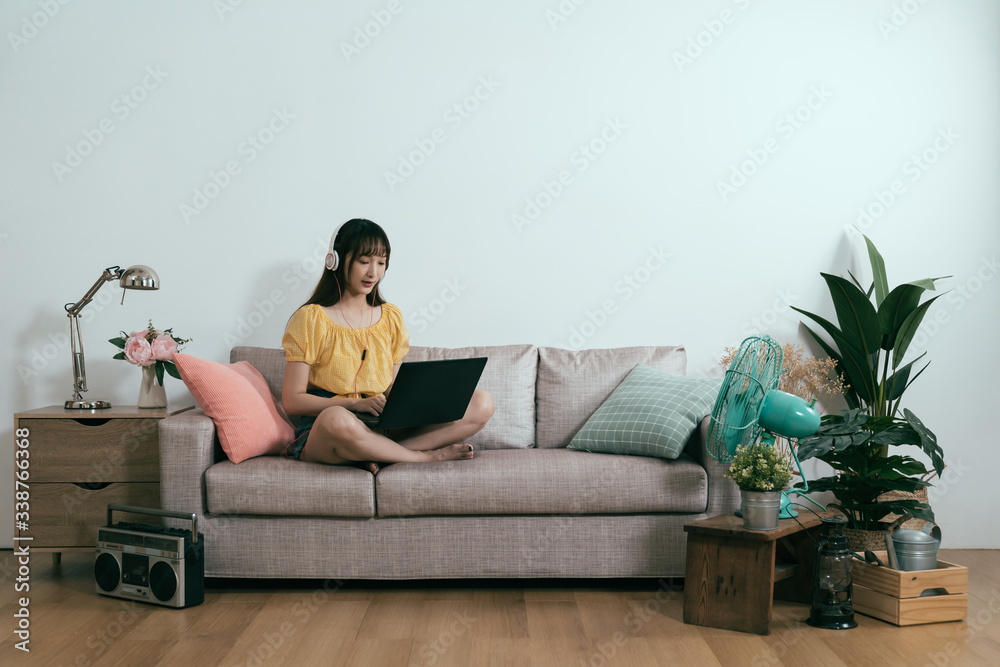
[(573, 384), (270, 361), (278, 486), (509, 376), (542, 481)]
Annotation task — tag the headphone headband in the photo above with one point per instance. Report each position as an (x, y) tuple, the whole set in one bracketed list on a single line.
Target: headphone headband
[(332, 256)]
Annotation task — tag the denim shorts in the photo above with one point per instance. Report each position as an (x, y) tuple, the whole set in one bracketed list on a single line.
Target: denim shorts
[(293, 450)]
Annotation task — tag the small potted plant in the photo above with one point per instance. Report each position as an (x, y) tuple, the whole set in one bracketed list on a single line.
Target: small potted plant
[(761, 472)]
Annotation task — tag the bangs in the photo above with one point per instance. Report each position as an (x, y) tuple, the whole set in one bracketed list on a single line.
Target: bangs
[(372, 245), (360, 237)]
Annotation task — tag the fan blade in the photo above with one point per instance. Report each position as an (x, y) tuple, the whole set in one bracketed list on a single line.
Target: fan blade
[(740, 419)]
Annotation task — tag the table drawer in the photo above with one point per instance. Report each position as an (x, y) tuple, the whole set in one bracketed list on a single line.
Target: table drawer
[(66, 515), (94, 450)]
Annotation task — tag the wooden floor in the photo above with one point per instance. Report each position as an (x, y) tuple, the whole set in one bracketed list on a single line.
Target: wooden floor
[(574, 623)]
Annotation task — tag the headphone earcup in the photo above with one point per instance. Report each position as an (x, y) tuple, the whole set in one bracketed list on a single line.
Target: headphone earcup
[(332, 260)]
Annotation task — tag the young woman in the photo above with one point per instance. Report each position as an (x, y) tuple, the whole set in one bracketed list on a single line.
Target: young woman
[(342, 351)]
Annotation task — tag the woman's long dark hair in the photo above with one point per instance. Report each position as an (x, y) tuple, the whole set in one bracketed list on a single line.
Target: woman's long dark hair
[(355, 238)]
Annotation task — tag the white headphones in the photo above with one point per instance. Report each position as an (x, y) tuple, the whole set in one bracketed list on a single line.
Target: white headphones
[(332, 256)]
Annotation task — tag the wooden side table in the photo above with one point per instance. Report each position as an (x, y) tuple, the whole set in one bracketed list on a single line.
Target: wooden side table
[(733, 575), (78, 461)]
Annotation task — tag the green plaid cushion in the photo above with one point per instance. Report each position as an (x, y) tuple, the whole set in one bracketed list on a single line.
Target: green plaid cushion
[(651, 413)]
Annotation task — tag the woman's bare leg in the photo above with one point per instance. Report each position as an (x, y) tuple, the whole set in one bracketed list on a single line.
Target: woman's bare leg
[(339, 437), (436, 436)]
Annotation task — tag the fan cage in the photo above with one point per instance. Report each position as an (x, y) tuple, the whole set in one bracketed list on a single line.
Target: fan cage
[(754, 371)]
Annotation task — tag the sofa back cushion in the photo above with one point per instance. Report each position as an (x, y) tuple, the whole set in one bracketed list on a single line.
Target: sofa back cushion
[(509, 376), (573, 384), (270, 361)]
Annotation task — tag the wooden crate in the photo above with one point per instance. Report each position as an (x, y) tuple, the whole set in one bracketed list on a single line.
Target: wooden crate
[(895, 595)]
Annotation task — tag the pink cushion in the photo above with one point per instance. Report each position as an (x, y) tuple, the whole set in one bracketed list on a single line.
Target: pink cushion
[(249, 421)]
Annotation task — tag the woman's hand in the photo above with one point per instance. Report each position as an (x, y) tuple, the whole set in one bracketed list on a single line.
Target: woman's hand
[(372, 404)]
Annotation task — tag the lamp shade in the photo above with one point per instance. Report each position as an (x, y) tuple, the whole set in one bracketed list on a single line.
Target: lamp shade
[(140, 276)]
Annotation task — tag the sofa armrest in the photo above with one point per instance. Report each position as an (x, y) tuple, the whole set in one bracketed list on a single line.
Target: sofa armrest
[(187, 450), (723, 494)]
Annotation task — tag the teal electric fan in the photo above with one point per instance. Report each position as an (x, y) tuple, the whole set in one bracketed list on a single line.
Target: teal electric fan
[(750, 406)]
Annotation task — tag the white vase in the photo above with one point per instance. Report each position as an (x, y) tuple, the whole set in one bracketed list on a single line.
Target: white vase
[(151, 393)]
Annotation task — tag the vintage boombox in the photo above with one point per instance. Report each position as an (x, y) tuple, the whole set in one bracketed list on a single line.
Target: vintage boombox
[(137, 561)]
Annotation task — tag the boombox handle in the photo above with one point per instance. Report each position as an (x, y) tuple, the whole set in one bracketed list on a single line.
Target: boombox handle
[(193, 518)]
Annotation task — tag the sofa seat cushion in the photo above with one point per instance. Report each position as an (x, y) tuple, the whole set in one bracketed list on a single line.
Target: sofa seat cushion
[(277, 486), (542, 481), (509, 376)]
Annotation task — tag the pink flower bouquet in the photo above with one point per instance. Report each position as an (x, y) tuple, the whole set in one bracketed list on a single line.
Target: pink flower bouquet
[(150, 347)]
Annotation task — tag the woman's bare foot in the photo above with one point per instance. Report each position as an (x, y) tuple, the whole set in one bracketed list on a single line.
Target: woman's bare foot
[(370, 466), (450, 453)]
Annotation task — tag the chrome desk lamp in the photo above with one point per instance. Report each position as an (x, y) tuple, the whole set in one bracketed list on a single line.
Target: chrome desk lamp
[(134, 277)]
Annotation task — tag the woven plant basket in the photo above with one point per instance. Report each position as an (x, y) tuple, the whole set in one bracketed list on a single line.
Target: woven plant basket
[(870, 540), (920, 495)]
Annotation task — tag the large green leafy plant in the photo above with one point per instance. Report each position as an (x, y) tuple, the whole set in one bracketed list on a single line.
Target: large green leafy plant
[(869, 343)]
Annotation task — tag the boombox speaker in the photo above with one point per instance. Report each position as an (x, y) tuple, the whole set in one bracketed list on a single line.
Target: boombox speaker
[(137, 561)]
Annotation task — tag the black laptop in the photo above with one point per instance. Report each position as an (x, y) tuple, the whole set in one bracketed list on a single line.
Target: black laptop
[(428, 392)]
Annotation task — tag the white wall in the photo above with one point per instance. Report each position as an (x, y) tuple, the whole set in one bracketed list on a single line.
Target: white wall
[(874, 84)]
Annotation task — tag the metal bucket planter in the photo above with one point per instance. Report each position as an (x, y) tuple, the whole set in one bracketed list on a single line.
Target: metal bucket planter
[(760, 509)]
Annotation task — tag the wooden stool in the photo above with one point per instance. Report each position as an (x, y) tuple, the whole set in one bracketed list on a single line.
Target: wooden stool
[(732, 574)]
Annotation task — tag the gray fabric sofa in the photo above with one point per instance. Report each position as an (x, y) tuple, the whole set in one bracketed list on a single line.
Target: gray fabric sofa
[(524, 507)]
